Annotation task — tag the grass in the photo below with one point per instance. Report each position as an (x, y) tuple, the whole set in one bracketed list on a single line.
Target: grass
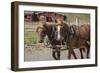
[(30, 37)]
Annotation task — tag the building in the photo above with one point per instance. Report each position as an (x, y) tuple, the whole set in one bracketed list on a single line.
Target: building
[(50, 16)]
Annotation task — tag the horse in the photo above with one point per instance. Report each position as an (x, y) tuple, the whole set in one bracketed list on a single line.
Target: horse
[(76, 37), (50, 31)]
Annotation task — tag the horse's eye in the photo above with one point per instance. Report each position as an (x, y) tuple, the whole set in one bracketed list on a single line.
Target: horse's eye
[(61, 25)]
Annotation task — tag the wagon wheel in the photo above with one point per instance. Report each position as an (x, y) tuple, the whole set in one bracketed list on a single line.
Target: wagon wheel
[(47, 43)]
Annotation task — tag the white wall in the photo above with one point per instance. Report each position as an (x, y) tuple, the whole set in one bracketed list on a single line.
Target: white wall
[(5, 40)]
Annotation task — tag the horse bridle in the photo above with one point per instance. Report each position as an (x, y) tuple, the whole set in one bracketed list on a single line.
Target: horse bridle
[(53, 33)]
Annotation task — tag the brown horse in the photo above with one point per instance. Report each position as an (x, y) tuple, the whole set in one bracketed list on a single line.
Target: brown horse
[(77, 42), (77, 37)]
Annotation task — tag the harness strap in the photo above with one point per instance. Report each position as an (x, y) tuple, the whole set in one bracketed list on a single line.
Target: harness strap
[(71, 32)]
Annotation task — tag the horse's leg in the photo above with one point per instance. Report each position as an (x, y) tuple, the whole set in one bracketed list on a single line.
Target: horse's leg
[(81, 52), (72, 51), (58, 53), (88, 51), (54, 54), (69, 54)]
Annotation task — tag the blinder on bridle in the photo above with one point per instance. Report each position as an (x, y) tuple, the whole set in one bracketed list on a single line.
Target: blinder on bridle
[(41, 28)]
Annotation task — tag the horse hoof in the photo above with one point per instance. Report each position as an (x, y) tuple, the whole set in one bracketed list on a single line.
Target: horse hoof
[(57, 59), (69, 58), (88, 57), (82, 58)]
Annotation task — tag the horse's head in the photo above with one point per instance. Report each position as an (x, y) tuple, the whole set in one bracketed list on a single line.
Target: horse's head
[(41, 29), (60, 30)]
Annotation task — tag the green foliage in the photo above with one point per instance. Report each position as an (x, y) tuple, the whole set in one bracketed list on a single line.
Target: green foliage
[(31, 37), (73, 16)]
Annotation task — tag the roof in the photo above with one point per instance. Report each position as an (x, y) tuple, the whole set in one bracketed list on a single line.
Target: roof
[(28, 12)]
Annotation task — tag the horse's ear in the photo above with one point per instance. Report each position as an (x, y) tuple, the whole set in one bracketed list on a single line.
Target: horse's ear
[(55, 21), (37, 29)]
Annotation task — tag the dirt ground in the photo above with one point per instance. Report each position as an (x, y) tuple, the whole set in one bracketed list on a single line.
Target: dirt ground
[(45, 54)]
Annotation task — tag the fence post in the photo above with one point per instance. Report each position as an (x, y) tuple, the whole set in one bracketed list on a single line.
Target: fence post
[(77, 21)]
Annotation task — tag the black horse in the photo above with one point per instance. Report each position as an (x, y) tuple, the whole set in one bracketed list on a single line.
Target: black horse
[(51, 32)]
